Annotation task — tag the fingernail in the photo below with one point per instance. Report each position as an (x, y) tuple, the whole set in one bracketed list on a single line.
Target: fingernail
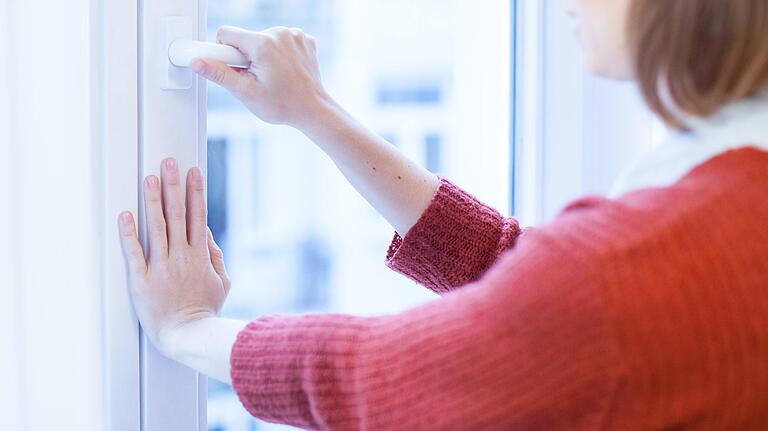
[(210, 234), (125, 219), (197, 66), (197, 173), (152, 182), (170, 164)]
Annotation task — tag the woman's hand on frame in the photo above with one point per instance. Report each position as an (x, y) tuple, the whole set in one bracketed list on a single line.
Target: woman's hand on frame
[(183, 278)]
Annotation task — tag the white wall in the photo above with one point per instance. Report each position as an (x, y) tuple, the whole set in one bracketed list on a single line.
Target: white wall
[(50, 323), (9, 341)]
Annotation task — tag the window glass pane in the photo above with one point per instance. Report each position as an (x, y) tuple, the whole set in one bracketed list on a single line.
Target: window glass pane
[(430, 76)]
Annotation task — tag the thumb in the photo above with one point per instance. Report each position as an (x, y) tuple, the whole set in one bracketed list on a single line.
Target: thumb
[(219, 73), (217, 259)]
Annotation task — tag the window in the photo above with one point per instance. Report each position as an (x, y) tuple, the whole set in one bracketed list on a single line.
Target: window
[(431, 76)]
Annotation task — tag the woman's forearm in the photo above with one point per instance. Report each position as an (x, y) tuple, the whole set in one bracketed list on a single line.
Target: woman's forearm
[(205, 345), (397, 187)]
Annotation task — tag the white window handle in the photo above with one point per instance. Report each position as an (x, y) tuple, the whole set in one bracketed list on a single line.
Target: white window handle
[(183, 52)]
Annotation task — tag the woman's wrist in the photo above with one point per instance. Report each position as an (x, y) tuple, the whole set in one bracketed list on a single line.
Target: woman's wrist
[(322, 113), (205, 345), (171, 339)]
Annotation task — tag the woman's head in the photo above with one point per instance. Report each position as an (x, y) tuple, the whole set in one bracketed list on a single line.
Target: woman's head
[(691, 56)]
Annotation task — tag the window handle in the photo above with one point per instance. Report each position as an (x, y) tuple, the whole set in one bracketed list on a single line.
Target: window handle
[(183, 52)]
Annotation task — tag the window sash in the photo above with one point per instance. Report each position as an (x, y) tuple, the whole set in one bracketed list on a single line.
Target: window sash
[(141, 125)]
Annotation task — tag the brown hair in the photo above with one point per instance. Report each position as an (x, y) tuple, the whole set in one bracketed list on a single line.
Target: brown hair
[(694, 56)]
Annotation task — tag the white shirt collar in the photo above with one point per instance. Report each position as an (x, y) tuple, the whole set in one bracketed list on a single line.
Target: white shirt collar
[(740, 124)]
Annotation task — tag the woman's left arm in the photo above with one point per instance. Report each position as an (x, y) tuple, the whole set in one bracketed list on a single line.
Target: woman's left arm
[(530, 345)]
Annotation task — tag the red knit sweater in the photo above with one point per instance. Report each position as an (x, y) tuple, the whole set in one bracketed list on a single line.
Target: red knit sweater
[(645, 312)]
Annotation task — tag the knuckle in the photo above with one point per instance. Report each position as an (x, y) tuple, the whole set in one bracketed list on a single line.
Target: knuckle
[(154, 196), (199, 210), (280, 29), (283, 33), (217, 253), (224, 31), (201, 216), (219, 76), (157, 226), (259, 39), (136, 254), (198, 186), (175, 211), (268, 44), (127, 233), (198, 219), (241, 88)]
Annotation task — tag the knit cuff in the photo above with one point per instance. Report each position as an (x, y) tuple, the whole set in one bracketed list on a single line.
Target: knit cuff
[(454, 241)]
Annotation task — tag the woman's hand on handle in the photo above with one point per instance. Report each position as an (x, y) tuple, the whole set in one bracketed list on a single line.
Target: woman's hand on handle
[(282, 85)]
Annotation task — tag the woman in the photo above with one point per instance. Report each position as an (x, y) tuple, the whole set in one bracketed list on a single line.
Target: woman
[(646, 311)]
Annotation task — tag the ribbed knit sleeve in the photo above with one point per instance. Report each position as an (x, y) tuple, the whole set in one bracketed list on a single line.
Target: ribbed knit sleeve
[(454, 242), (528, 346)]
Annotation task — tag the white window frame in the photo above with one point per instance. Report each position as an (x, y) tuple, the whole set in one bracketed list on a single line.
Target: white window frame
[(573, 132), (10, 373), (118, 57), (141, 125)]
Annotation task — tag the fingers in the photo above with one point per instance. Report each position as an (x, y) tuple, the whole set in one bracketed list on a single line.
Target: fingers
[(173, 204), (303, 39), (217, 260), (241, 39), (197, 223), (221, 74), (285, 34), (129, 240), (156, 227), (168, 223)]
